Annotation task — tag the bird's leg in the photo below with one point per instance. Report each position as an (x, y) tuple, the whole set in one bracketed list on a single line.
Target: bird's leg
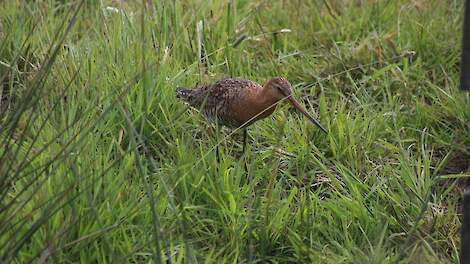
[(217, 151), (245, 138)]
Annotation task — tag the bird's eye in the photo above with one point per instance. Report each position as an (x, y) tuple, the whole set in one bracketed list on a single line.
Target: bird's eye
[(279, 88)]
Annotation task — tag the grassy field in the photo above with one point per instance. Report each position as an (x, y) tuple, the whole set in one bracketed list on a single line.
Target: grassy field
[(100, 163)]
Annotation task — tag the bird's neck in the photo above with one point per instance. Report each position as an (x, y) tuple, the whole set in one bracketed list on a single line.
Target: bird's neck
[(266, 97)]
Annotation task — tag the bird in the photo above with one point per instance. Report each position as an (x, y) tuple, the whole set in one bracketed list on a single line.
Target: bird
[(238, 103)]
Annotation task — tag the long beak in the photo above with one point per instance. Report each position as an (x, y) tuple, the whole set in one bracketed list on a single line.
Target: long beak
[(296, 104)]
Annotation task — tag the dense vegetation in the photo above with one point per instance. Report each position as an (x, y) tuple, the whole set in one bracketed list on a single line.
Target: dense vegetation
[(99, 162)]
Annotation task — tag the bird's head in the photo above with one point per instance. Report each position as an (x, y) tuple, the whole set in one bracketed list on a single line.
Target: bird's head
[(280, 89)]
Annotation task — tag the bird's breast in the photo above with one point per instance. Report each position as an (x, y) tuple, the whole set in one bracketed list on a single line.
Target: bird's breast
[(249, 110)]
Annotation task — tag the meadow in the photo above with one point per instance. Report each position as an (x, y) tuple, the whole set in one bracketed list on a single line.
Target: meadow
[(100, 162)]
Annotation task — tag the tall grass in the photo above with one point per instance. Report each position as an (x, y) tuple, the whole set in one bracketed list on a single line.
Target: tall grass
[(99, 162)]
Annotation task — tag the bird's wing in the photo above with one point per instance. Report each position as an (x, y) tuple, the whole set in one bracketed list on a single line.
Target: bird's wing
[(216, 100)]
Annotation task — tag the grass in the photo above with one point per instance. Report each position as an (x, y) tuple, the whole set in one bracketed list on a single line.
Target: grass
[(99, 162)]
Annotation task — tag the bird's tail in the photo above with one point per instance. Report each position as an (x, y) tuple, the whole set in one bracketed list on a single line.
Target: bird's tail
[(183, 93)]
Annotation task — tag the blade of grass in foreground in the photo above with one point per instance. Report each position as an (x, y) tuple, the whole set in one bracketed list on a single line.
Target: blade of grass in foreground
[(149, 192)]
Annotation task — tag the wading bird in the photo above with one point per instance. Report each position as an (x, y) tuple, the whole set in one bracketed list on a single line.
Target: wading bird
[(237, 103)]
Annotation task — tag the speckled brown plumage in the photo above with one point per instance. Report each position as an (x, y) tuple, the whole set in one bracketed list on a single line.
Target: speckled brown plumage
[(238, 102)]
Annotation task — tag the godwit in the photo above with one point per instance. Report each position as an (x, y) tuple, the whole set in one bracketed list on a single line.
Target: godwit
[(237, 103)]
